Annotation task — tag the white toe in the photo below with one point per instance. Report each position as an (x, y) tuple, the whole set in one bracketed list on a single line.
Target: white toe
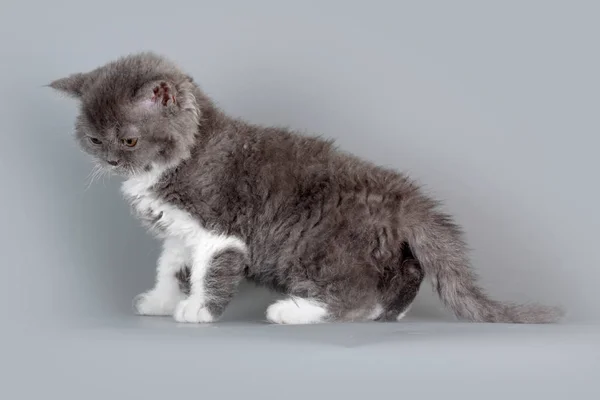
[(376, 312), (154, 303), (192, 310), (296, 311), (403, 313)]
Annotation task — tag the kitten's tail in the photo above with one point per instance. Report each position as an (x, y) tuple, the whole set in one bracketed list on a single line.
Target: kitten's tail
[(438, 245)]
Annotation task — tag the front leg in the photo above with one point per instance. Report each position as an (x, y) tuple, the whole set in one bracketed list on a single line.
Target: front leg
[(166, 294), (216, 271)]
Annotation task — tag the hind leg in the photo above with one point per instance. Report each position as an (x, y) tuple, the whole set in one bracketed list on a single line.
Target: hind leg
[(339, 300), (354, 300), (406, 288)]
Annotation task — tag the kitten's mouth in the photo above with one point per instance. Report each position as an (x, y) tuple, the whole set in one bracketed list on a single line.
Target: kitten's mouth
[(121, 170)]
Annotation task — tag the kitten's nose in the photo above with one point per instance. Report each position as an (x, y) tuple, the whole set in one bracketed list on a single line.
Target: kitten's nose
[(113, 162)]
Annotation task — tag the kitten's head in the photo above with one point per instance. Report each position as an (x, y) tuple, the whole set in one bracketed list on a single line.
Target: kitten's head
[(136, 112)]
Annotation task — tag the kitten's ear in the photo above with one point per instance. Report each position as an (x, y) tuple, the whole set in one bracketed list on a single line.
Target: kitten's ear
[(74, 85)]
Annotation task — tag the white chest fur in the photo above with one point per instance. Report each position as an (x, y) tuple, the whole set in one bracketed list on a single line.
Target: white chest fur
[(163, 218), (167, 219)]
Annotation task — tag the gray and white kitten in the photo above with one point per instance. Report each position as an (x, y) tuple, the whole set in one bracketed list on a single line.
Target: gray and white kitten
[(233, 200)]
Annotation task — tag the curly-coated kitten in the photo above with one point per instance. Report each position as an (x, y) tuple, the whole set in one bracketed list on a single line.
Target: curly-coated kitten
[(233, 200)]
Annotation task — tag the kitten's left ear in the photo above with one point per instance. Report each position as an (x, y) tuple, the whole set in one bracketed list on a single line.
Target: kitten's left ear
[(74, 85)]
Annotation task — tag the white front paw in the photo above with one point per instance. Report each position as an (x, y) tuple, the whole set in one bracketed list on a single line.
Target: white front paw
[(192, 310), (154, 303)]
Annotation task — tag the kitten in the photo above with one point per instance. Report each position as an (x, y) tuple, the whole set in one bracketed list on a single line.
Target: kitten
[(232, 200)]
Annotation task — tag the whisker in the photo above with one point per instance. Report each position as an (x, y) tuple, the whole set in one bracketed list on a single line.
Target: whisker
[(96, 171), (91, 172), (105, 173)]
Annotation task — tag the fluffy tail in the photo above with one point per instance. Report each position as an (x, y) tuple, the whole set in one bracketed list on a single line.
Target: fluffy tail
[(438, 245)]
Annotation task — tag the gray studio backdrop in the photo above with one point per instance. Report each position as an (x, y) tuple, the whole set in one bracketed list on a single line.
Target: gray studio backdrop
[(492, 105)]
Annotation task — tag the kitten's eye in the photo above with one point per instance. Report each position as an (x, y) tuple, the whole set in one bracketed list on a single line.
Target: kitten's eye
[(130, 142), (95, 141)]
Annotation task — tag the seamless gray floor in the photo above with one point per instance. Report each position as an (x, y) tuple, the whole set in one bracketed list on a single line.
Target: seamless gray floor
[(157, 358)]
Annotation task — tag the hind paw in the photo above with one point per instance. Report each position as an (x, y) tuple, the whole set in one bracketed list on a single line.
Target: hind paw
[(296, 311)]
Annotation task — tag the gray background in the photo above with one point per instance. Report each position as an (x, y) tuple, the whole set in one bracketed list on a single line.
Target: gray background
[(493, 105)]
